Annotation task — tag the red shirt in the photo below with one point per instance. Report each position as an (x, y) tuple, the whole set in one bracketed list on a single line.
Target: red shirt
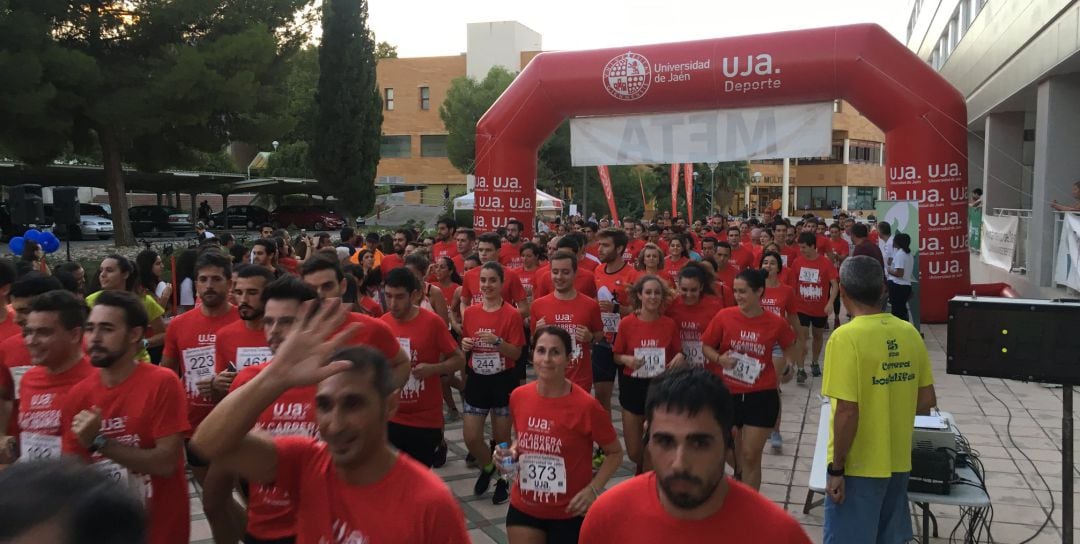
[(510, 255), (741, 257), (389, 262), (586, 263), (557, 434), (512, 290), (617, 284), (635, 334), (189, 340), (271, 509), (839, 248), (8, 327), (373, 308), (239, 346), (506, 323), (567, 314), (40, 403), (788, 255), (726, 277), (291, 265), (633, 247), (755, 337), (779, 300), (811, 280), (14, 364), (584, 283), (410, 504), (528, 278), (692, 321), (444, 249), (426, 339), (672, 268), (147, 406), (631, 512), (374, 334)]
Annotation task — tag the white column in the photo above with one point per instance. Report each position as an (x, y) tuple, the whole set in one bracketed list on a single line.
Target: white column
[(847, 150), (746, 198), (1057, 135), (844, 201), (785, 198), (1003, 153)]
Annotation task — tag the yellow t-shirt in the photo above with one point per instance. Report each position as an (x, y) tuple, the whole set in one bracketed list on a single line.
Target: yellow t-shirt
[(879, 362), (153, 311)]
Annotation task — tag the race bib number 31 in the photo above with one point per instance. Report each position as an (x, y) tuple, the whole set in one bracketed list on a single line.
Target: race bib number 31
[(542, 473), (653, 362), (746, 369)]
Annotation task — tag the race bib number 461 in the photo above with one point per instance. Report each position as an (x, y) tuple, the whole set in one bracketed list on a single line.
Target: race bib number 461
[(246, 357)]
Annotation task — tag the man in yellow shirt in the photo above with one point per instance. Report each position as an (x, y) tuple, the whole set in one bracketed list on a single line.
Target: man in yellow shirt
[(878, 376)]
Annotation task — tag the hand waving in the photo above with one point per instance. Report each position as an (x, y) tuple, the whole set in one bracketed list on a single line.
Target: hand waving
[(304, 357)]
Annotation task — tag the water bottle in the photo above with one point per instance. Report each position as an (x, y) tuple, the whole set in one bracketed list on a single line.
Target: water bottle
[(507, 464)]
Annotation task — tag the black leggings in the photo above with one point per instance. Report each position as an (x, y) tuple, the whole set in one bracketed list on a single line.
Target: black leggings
[(898, 299)]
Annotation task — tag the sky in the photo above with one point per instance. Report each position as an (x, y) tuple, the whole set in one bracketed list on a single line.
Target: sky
[(437, 27)]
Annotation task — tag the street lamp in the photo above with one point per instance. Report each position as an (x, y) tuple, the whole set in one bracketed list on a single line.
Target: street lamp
[(712, 191)]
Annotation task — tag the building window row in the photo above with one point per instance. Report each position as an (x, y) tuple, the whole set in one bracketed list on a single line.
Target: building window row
[(865, 152), (954, 31), (399, 146), (819, 198), (862, 198), (425, 98), (836, 156)]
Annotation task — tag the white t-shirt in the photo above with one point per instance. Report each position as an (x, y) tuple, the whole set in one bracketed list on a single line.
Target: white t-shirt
[(187, 292), (902, 259), (159, 289)]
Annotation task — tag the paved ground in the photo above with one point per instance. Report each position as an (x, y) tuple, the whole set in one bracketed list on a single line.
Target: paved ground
[(1021, 498)]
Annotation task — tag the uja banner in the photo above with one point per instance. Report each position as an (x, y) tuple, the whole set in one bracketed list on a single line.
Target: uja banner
[(605, 182), (1067, 267), (803, 130), (998, 241)]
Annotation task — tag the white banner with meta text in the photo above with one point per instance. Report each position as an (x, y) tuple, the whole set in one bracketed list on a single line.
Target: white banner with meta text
[(802, 130)]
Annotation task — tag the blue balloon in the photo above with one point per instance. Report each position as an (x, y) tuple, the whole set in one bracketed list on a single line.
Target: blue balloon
[(50, 243), (17, 244), (33, 235)]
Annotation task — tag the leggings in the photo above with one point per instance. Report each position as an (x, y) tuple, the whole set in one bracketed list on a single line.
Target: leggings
[(898, 299)]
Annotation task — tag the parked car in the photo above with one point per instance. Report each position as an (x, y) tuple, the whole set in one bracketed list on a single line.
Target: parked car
[(159, 220), (306, 217), (94, 222), (248, 217)]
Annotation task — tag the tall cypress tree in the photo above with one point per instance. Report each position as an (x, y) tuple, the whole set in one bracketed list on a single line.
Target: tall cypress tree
[(348, 126)]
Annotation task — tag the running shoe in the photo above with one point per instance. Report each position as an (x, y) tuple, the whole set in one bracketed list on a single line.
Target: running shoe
[(815, 369), (502, 492), (483, 482), (470, 461), (776, 441), (440, 455), (800, 377)]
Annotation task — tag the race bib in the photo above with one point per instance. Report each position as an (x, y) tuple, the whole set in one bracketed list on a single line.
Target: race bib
[(17, 374), (746, 369), (138, 484), (542, 473), (611, 322), (198, 366), (406, 346), (34, 446), (488, 363), (692, 351), (809, 275), (246, 357), (654, 362)]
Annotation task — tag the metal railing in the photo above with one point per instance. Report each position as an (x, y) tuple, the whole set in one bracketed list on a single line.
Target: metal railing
[(1020, 261)]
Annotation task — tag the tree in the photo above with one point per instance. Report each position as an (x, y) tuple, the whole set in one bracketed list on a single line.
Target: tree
[(348, 125), (383, 50), (466, 101), (145, 82)]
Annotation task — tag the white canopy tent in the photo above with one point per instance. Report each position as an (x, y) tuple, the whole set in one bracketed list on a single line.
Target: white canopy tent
[(544, 202)]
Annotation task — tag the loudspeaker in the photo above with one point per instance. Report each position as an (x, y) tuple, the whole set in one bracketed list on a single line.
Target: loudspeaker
[(25, 205), (1014, 338), (66, 206)]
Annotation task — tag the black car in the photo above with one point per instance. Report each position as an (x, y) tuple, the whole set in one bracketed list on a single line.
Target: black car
[(159, 220), (248, 217)]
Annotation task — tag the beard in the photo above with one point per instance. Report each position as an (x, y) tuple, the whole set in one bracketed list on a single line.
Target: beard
[(247, 313), (687, 500), (103, 358)]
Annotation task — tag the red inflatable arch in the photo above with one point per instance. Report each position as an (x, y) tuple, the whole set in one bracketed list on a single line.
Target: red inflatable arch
[(923, 116)]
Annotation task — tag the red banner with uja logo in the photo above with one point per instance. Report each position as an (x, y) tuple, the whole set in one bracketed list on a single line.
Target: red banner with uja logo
[(605, 181), (674, 190), (688, 179)]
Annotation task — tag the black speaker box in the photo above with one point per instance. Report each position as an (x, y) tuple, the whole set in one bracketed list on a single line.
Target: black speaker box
[(25, 205), (66, 206)]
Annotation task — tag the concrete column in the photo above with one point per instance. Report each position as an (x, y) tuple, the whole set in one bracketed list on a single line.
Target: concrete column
[(976, 153), (1057, 137), (1003, 154), (785, 198), (746, 198), (847, 150), (844, 201)]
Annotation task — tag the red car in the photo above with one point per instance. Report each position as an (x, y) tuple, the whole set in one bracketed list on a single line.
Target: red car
[(306, 217)]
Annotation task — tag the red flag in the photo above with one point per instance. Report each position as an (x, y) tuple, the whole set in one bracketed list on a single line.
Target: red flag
[(674, 190), (688, 179), (605, 180)]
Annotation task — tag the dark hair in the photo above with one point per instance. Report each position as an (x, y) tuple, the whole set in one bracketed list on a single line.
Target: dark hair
[(497, 268), (185, 264), (697, 271), (533, 247), (860, 230), (565, 256), (418, 262), (725, 245), (686, 243), (89, 507), (363, 359), (448, 221), (71, 308), (902, 241), (67, 279), (754, 278), (689, 390), (555, 330), (454, 275), (320, 262), (288, 288), (33, 284), (490, 238), (214, 259), (134, 311), (884, 228), (779, 261), (469, 233), (710, 239), (520, 225), (238, 253), (579, 238), (568, 242), (125, 265), (402, 278), (346, 234), (254, 271), (808, 238), (29, 252), (474, 257), (269, 246), (617, 236), (7, 272)]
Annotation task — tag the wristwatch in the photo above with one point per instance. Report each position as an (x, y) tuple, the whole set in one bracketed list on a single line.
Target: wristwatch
[(497, 342), (98, 443), (834, 471)]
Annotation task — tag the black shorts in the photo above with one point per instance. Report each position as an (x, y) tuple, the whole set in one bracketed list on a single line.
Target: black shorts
[(632, 392), (603, 364), (558, 531), (248, 539), (416, 442), (489, 391), (193, 459), (757, 409), (817, 322)]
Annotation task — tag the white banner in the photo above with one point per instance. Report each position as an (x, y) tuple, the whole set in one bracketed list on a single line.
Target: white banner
[(802, 130), (1067, 267), (998, 244)]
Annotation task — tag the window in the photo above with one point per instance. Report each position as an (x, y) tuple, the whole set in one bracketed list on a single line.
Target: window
[(433, 145), (837, 105), (836, 157), (819, 198), (425, 98), (862, 198), (396, 147), (389, 101), (862, 152)]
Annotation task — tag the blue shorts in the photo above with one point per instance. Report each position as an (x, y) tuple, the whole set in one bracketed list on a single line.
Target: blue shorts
[(875, 511)]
